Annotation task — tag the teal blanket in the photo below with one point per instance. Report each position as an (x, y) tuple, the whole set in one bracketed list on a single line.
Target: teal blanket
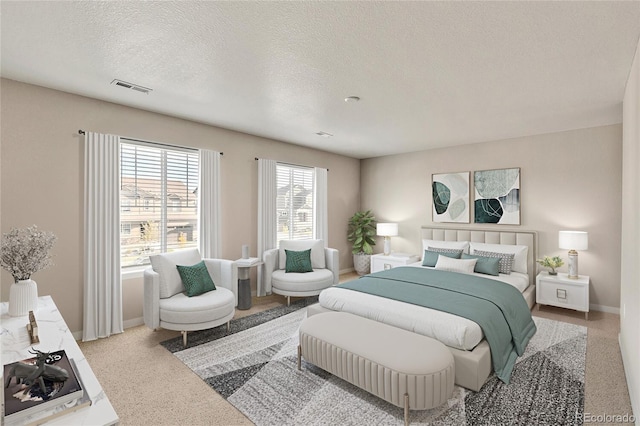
[(498, 308)]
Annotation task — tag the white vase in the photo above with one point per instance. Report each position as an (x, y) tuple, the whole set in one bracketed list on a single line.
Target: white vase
[(23, 297), (362, 263)]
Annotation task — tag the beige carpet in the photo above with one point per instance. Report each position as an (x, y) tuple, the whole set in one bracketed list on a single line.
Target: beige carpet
[(148, 385)]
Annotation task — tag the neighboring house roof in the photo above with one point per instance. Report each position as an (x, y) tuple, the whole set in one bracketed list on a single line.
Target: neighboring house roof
[(146, 188)]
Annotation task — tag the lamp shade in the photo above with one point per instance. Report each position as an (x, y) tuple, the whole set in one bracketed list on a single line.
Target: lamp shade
[(387, 229), (573, 240)]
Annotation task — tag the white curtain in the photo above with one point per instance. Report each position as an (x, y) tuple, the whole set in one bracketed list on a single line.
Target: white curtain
[(321, 224), (102, 281), (267, 220), (209, 204)]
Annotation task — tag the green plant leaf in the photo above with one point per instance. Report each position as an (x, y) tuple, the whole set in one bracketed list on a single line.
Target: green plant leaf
[(361, 231), (366, 247)]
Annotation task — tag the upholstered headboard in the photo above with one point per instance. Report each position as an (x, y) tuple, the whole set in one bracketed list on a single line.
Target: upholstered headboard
[(522, 238)]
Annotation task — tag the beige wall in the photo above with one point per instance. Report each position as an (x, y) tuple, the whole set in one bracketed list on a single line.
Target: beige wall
[(630, 274), (569, 180), (42, 180)]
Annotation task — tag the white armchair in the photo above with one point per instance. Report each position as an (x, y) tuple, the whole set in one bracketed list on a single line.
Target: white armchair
[(325, 263), (166, 305)]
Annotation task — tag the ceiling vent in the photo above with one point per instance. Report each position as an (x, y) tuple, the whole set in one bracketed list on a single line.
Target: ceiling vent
[(131, 86)]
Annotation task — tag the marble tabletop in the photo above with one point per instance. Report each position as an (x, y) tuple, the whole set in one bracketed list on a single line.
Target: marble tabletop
[(55, 335)]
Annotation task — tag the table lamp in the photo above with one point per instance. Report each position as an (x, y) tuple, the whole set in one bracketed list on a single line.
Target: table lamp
[(573, 241), (387, 230)]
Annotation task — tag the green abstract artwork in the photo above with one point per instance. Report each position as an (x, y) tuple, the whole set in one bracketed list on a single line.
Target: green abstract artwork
[(450, 193), (497, 196)]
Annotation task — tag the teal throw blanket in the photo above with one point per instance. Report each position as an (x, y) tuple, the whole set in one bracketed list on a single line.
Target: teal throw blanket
[(497, 307)]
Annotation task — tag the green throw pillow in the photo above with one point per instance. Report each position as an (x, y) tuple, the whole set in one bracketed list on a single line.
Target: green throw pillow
[(298, 261), (430, 257), (485, 265), (505, 259), (196, 279)]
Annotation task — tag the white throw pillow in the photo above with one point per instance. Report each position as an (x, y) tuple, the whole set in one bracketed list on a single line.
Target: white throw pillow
[(464, 266), (317, 251), (459, 245), (520, 253), (165, 265)]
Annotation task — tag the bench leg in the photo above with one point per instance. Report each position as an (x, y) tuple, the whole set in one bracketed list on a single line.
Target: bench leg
[(228, 326), (299, 356), (184, 338), (288, 300), (406, 409)]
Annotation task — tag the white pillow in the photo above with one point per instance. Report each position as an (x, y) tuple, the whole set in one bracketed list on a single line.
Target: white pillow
[(464, 245), (317, 251), (165, 265), (464, 266), (520, 253)]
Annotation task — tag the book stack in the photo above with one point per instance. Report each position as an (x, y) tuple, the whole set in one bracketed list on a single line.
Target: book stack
[(25, 402)]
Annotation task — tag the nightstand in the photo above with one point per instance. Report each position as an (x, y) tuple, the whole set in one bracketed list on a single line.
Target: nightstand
[(564, 292), (380, 262)]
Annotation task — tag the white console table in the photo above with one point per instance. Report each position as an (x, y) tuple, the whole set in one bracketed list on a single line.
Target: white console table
[(55, 335)]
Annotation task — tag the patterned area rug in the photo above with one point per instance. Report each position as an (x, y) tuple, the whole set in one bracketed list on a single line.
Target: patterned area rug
[(254, 367)]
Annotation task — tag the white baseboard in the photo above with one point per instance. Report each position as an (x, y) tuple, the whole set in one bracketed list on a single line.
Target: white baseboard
[(133, 322), (626, 361), (603, 308), (346, 271), (127, 324)]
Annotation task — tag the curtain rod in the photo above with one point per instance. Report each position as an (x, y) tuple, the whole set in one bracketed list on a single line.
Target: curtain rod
[(82, 132), (291, 164)]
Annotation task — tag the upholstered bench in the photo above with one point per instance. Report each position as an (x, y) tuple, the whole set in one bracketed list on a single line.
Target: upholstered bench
[(404, 368)]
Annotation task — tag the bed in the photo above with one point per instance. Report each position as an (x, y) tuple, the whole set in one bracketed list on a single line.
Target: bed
[(463, 336)]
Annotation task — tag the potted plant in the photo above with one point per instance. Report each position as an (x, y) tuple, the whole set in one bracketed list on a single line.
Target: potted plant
[(361, 233), (25, 252), (551, 263)]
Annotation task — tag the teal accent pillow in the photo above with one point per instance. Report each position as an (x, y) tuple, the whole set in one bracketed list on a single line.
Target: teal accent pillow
[(430, 257), (196, 279), (505, 259), (485, 265), (298, 261)]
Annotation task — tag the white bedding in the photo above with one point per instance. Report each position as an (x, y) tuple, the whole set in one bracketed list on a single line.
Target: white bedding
[(516, 279), (452, 330)]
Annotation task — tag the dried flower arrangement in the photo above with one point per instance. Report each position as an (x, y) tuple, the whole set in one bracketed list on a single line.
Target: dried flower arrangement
[(25, 251)]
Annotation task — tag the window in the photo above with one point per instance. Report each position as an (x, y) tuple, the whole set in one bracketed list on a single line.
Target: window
[(158, 195), (295, 202)]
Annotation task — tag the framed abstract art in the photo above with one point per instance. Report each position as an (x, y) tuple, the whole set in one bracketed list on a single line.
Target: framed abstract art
[(497, 196), (450, 197)]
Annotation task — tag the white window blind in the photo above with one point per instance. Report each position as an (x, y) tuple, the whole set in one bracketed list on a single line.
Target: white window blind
[(295, 202), (158, 199)]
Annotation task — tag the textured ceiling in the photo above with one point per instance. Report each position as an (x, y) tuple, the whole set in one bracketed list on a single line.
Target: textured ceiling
[(429, 74)]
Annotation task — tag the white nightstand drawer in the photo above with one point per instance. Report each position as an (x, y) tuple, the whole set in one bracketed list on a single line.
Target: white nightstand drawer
[(380, 262), (563, 295), (564, 292)]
